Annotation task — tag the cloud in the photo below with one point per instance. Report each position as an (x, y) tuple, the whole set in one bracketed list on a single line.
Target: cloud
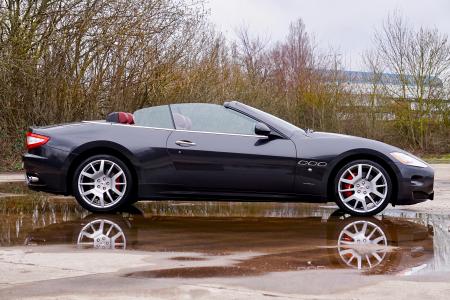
[(346, 25)]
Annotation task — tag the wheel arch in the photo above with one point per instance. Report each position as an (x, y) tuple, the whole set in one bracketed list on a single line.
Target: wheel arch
[(85, 151), (368, 154)]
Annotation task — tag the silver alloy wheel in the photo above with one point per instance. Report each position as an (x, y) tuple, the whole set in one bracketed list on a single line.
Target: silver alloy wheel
[(102, 234), (362, 188), (362, 245), (102, 183)]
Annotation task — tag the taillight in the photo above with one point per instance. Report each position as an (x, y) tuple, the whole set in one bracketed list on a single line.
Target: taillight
[(36, 140)]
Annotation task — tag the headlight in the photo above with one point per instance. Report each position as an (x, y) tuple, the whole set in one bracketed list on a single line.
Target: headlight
[(408, 160)]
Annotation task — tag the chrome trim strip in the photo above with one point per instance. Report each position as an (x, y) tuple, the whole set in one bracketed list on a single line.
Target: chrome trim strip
[(179, 130), (118, 124), (222, 133)]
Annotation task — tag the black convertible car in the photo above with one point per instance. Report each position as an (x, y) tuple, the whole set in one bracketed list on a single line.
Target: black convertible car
[(208, 151)]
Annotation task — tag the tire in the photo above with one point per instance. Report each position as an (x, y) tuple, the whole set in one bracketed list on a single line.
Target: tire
[(102, 183), (362, 188)]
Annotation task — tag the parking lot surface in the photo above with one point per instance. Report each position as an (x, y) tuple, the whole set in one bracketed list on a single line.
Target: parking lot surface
[(50, 248)]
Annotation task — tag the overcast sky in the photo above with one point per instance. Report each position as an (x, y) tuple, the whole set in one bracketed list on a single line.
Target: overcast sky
[(344, 25)]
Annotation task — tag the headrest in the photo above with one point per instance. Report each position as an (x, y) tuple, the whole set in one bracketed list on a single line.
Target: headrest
[(182, 122), (120, 117)]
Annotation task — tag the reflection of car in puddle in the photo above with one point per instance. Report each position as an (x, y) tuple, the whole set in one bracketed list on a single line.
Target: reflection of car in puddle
[(102, 234), (389, 245), (362, 244)]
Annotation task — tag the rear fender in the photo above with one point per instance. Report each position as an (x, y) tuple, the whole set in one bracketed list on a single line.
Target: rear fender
[(100, 147)]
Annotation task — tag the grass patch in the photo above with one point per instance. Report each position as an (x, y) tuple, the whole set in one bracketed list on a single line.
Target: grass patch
[(437, 159), (14, 188)]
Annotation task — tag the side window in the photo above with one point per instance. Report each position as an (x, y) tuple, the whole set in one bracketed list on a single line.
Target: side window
[(211, 118), (156, 116)]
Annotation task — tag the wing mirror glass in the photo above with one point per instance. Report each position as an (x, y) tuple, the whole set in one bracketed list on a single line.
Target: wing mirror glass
[(262, 129)]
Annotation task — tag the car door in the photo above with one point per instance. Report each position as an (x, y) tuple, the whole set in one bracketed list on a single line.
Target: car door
[(215, 149)]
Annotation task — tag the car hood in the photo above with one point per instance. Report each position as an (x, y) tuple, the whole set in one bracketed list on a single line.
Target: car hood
[(319, 134), (339, 143), (362, 142)]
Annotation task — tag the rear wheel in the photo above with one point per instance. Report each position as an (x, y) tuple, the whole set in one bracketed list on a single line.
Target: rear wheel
[(102, 183), (102, 233), (362, 188)]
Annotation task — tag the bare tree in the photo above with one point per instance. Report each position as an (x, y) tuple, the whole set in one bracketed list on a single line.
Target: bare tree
[(68, 60), (251, 53), (421, 60), (375, 92)]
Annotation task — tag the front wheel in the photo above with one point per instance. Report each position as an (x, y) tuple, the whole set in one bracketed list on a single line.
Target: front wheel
[(102, 183), (362, 188)]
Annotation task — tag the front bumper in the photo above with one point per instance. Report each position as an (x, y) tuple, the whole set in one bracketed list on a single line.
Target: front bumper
[(415, 185), (45, 170)]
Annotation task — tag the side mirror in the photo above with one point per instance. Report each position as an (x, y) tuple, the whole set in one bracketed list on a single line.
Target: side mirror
[(262, 129)]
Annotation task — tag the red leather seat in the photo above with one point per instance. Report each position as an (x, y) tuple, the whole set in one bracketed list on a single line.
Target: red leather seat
[(126, 118), (120, 117)]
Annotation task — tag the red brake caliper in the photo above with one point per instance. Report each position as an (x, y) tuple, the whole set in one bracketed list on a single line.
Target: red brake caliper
[(348, 186), (117, 181)]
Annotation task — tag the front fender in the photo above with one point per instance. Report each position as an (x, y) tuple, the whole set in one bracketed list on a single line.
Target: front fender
[(362, 153), (317, 180)]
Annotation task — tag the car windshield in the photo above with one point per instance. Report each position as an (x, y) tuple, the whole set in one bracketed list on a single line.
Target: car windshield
[(280, 122), (207, 117)]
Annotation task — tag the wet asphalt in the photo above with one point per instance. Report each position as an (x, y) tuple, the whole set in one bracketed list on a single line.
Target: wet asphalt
[(169, 249)]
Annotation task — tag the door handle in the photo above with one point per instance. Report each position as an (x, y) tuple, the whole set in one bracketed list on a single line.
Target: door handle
[(184, 143)]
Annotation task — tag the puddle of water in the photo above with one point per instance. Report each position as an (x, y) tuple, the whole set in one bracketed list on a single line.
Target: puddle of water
[(199, 272), (188, 258), (283, 236), (294, 245)]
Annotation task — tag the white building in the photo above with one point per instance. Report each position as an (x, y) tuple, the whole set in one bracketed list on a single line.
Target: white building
[(376, 91)]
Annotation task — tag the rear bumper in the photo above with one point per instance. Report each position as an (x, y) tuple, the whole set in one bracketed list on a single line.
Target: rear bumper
[(415, 185), (44, 169)]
